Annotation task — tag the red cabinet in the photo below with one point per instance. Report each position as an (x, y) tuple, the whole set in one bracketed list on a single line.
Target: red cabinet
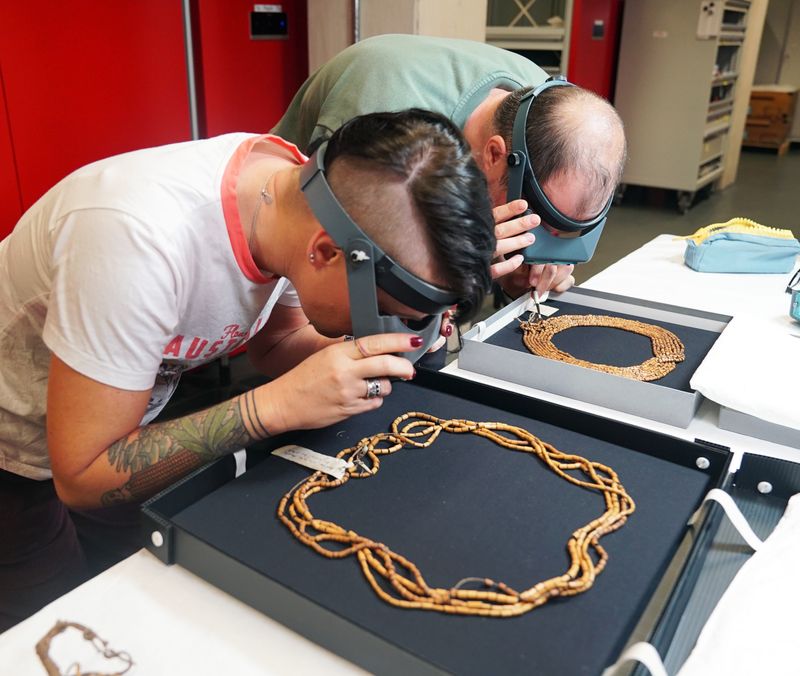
[(594, 44), (10, 201), (86, 79), (246, 84)]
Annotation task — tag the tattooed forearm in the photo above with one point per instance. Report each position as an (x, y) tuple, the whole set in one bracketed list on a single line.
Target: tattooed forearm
[(150, 480), (249, 405), (158, 455)]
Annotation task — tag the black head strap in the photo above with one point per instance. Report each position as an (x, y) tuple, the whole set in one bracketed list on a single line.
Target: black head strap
[(395, 280), (522, 181)]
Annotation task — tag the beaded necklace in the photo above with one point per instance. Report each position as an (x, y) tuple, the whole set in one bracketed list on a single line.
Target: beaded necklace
[(115, 657), (403, 585), (667, 348)]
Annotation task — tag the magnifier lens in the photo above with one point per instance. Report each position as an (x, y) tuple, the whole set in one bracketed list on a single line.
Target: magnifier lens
[(556, 232), (419, 324)]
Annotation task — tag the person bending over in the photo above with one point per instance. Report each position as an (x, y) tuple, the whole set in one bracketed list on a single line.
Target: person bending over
[(138, 267), (575, 138)]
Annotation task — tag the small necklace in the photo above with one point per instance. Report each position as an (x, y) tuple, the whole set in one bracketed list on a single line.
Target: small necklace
[(265, 198), (668, 350)]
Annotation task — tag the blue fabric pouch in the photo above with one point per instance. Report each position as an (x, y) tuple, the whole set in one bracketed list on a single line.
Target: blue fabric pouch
[(740, 252)]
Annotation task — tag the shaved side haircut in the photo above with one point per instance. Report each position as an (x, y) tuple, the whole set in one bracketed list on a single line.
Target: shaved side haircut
[(409, 180)]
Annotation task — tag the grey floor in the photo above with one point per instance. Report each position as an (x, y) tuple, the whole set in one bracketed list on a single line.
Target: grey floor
[(767, 190)]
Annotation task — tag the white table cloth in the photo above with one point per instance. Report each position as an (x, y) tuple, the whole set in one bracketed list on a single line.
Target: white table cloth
[(172, 622)]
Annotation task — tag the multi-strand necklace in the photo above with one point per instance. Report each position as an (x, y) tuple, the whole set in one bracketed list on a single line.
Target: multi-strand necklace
[(398, 581), (667, 348)]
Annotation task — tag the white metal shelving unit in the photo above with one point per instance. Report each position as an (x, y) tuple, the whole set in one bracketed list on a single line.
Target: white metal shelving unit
[(677, 85), (531, 28)]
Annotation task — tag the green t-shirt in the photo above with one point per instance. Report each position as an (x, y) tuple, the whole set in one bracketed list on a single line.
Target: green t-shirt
[(395, 72)]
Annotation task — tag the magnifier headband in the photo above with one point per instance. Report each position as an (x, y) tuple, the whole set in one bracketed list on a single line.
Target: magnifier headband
[(394, 279), (522, 181)]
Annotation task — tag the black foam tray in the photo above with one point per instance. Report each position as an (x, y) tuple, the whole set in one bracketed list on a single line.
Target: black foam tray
[(463, 507)]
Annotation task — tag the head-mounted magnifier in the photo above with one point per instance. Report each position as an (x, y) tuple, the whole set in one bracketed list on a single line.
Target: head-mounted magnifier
[(793, 289), (370, 268), (559, 239)]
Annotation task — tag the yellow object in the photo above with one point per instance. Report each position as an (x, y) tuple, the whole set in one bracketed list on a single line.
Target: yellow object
[(742, 226)]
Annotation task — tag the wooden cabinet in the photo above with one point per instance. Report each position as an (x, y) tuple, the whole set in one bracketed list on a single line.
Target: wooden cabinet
[(779, 56), (769, 120)]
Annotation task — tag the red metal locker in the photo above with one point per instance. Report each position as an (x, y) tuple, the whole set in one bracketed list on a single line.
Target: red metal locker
[(86, 79), (246, 84), (594, 44), (10, 200)]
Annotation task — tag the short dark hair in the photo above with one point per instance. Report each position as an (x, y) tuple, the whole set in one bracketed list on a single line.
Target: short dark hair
[(551, 139), (426, 154)]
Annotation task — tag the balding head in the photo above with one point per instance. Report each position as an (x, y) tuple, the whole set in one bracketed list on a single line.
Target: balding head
[(573, 136)]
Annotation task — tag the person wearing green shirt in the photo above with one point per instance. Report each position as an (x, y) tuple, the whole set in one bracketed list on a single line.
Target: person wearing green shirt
[(575, 138)]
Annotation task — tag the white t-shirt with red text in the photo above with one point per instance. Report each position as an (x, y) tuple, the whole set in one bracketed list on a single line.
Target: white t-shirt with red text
[(131, 270)]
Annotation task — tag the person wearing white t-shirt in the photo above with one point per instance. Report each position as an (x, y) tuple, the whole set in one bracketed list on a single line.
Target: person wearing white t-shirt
[(137, 267)]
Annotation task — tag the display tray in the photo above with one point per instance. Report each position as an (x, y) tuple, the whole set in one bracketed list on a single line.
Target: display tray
[(736, 421), (727, 552), (462, 507), (495, 348)]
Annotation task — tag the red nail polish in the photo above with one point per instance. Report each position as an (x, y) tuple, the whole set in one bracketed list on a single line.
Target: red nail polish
[(448, 330), (416, 341), (414, 375)]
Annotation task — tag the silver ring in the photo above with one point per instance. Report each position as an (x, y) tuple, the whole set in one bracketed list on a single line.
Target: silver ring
[(373, 388)]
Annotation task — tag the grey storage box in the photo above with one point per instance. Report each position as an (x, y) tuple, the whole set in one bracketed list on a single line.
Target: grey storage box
[(494, 348), (736, 421), (703, 586)]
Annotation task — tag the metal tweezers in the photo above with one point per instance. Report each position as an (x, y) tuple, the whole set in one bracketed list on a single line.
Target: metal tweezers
[(537, 314)]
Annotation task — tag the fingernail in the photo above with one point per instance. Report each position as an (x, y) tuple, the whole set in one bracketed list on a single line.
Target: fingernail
[(448, 330), (530, 239), (414, 374), (416, 341)]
